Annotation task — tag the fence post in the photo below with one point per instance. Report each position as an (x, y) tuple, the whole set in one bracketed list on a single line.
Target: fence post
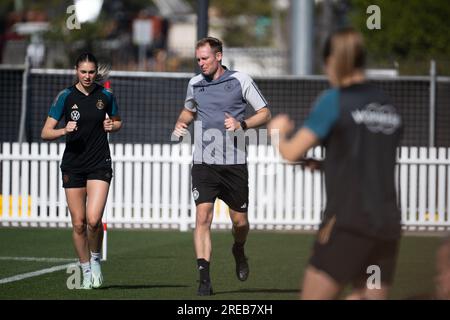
[(185, 187), (23, 118), (432, 103), (6, 179)]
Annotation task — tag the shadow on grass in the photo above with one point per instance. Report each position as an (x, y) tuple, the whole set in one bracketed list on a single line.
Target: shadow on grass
[(141, 286), (259, 290)]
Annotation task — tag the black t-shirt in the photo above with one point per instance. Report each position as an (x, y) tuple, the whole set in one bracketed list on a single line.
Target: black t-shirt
[(361, 131), (87, 148)]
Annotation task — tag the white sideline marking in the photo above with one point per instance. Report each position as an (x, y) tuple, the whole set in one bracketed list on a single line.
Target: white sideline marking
[(35, 273), (36, 259)]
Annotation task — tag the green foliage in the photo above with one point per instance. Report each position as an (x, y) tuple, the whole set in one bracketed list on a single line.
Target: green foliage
[(76, 40), (234, 8), (248, 22), (411, 31), (6, 6)]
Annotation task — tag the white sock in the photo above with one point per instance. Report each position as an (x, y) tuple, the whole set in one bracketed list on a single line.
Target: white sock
[(96, 257), (86, 268)]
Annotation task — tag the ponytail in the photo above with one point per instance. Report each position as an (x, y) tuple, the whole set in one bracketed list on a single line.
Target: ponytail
[(346, 46), (103, 71)]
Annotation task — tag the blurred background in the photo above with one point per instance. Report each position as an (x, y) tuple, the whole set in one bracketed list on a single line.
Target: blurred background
[(257, 34), (150, 46)]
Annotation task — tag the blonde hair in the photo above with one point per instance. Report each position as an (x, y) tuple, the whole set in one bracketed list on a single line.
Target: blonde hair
[(346, 48), (215, 44)]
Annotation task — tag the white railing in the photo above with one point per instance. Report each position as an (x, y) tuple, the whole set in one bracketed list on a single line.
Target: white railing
[(151, 188)]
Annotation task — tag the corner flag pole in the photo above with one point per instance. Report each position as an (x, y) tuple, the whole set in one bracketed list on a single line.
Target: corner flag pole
[(107, 86)]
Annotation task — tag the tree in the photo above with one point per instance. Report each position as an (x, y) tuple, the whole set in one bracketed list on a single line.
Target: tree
[(412, 33), (247, 22)]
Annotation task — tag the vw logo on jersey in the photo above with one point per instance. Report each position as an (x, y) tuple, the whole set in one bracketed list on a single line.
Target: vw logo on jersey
[(75, 115)]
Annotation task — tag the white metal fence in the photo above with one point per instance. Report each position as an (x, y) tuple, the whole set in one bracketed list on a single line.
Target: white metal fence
[(151, 188)]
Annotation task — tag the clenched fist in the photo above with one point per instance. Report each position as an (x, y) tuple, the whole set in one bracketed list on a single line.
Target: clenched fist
[(230, 123), (180, 129), (71, 126), (108, 125)]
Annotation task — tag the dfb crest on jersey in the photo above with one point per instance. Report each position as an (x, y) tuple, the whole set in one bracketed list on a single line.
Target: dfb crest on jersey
[(229, 86), (75, 115), (100, 105)]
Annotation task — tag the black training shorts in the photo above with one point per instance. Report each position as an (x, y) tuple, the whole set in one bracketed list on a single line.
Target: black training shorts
[(226, 182), (79, 180), (346, 256)]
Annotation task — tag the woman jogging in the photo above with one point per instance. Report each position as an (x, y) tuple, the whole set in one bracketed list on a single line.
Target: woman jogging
[(359, 236), (90, 112)]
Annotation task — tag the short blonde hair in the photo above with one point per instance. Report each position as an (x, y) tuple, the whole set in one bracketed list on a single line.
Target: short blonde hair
[(346, 47), (215, 44)]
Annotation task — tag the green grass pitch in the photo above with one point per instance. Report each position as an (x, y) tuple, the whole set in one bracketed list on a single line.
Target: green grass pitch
[(149, 264)]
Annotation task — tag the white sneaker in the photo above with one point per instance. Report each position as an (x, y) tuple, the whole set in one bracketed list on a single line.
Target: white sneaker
[(87, 282), (97, 277)]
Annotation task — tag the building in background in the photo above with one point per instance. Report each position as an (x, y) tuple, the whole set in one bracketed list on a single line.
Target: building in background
[(256, 34)]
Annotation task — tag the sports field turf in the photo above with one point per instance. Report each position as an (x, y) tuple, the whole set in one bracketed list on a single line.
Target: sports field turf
[(144, 264)]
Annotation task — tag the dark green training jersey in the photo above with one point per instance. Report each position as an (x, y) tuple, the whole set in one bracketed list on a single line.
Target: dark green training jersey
[(87, 148)]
